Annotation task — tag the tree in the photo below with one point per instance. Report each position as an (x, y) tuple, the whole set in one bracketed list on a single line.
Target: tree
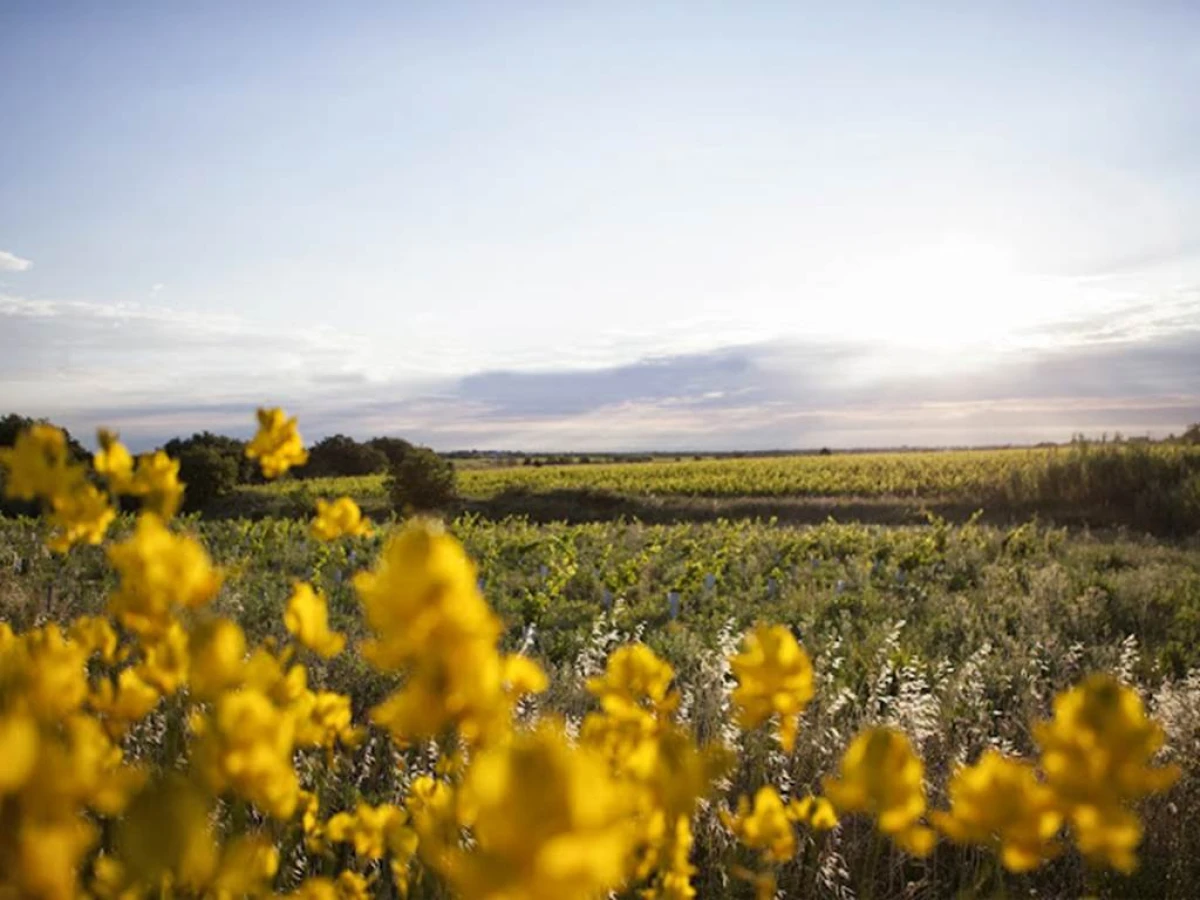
[(207, 473), (393, 448), (421, 481), (246, 470), (1192, 435), (342, 455)]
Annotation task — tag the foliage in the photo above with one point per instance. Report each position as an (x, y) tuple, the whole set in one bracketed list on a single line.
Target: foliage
[(342, 455), (420, 481), (208, 473)]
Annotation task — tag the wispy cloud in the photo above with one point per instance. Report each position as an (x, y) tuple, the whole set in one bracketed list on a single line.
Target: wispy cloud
[(10, 262)]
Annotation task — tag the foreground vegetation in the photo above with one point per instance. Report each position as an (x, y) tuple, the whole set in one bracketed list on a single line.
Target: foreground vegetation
[(276, 720)]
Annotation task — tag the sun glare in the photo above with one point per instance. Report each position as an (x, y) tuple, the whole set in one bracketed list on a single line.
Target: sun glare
[(958, 291)]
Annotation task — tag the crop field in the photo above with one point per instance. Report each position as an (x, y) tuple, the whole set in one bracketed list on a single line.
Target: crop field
[(738, 708)]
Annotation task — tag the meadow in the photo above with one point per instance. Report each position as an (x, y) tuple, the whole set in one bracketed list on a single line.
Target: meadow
[(957, 635)]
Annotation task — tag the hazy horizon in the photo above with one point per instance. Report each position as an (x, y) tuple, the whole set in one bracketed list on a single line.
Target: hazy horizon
[(611, 227)]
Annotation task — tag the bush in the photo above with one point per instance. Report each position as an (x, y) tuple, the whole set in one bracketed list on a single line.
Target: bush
[(208, 474), (342, 455), (245, 470), (420, 481)]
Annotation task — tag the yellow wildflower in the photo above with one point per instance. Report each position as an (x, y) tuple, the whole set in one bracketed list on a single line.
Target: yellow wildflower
[(815, 812), (125, 703), (323, 718), (307, 617), (881, 775), (165, 833), (216, 656), (156, 481), (635, 676), (158, 571), (19, 750), (246, 745), (166, 662), (38, 465), (1096, 754), (999, 802), (340, 518), (79, 516), (547, 822), (51, 671), (44, 858), (430, 621), (374, 831), (775, 677), (277, 446), (113, 461), (97, 636), (522, 676), (765, 827)]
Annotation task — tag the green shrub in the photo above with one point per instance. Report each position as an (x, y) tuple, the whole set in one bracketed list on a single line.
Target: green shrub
[(208, 474), (420, 481)]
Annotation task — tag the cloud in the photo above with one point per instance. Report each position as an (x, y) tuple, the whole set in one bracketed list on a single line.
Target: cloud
[(154, 373), (10, 262)]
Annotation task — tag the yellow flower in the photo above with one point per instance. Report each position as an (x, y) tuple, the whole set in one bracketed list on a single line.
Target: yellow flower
[(277, 446), (1096, 755), (158, 571), (19, 750), (765, 827), (128, 702), (999, 802), (246, 745), (815, 812), (166, 662), (522, 676), (430, 621), (217, 658), (44, 858), (96, 634), (634, 676), (775, 677), (548, 823), (374, 831), (338, 519), (307, 617), (51, 670), (882, 776), (38, 465), (113, 461), (324, 718), (80, 516), (248, 863), (166, 833), (157, 482)]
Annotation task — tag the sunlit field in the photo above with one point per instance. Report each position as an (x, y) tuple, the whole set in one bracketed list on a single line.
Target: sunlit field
[(330, 707)]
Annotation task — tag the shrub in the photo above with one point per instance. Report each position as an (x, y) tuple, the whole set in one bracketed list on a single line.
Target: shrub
[(208, 474), (342, 455), (232, 449), (420, 481)]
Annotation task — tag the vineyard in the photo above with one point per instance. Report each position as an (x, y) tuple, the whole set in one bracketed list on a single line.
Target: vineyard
[(1153, 487), (326, 707)]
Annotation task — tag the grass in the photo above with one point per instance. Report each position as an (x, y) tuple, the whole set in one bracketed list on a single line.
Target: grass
[(960, 634)]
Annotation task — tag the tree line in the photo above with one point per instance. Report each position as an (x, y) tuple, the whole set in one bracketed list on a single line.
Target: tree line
[(214, 465)]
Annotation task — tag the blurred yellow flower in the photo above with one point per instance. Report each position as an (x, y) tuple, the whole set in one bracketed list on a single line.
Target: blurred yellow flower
[(340, 518), (881, 776), (307, 617), (79, 516), (277, 445), (1096, 755), (38, 465), (158, 572), (765, 826), (113, 462), (156, 481), (775, 678), (815, 812), (216, 657), (999, 803)]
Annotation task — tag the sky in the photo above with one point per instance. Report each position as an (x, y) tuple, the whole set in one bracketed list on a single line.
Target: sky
[(603, 226)]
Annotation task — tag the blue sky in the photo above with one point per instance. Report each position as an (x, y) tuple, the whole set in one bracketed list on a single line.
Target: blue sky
[(603, 226)]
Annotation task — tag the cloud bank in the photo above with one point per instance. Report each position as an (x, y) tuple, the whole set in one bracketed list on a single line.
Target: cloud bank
[(154, 373)]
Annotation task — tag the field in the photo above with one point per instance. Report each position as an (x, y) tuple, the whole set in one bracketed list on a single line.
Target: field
[(1151, 487), (958, 634)]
